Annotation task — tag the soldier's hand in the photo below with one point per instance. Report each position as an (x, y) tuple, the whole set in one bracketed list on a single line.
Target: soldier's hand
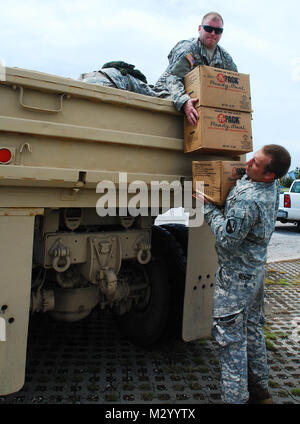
[(190, 111), (200, 197)]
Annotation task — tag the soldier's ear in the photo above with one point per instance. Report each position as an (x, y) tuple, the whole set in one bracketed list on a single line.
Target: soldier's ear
[(269, 177), (199, 28)]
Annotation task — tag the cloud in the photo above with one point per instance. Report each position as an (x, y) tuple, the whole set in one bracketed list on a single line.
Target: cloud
[(68, 37), (295, 62), (248, 40), (73, 22)]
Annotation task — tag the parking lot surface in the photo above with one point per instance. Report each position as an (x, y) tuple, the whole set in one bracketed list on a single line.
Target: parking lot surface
[(89, 362), (284, 244)]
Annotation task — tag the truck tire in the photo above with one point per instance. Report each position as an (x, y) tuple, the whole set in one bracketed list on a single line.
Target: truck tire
[(145, 326), (181, 234), (171, 253), (162, 315)]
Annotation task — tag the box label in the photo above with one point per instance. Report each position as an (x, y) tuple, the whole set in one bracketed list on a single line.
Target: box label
[(220, 130), (218, 177), (219, 88)]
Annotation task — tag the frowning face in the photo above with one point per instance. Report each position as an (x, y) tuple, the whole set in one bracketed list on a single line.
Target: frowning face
[(210, 39)]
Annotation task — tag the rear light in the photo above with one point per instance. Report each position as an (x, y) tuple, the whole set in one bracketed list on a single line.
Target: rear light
[(6, 155), (287, 201)]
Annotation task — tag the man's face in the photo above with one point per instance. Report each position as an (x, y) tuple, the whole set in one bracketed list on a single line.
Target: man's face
[(256, 167), (210, 40)]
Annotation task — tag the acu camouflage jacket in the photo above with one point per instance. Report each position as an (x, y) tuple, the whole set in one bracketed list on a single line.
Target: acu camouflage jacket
[(245, 228), (185, 56)]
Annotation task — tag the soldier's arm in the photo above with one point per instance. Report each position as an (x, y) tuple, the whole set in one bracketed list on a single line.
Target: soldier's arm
[(228, 61), (179, 65), (231, 65), (176, 89), (231, 230), (181, 99)]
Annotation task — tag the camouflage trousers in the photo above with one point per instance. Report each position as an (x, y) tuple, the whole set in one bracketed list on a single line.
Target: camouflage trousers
[(113, 78), (239, 334)]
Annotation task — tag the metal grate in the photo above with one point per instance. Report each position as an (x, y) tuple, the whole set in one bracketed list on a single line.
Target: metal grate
[(89, 362)]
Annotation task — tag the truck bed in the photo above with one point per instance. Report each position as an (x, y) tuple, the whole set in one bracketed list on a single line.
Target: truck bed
[(70, 134)]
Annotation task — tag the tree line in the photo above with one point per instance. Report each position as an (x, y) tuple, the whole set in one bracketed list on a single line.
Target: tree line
[(286, 181)]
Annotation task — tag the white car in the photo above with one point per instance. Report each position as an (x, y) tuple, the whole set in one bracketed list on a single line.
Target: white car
[(289, 205)]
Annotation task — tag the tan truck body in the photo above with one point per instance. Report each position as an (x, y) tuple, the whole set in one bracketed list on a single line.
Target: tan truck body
[(65, 137)]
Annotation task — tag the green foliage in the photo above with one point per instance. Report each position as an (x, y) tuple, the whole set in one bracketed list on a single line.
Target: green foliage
[(147, 396), (297, 172), (295, 392), (286, 181)]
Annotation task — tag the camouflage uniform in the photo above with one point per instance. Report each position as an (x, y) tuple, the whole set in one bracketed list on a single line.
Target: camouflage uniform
[(111, 77), (242, 234), (184, 57)]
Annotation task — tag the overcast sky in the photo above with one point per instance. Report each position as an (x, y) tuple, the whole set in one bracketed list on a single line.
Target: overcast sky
[(69, 37)]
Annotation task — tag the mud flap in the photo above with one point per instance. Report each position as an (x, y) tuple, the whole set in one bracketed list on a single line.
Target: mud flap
[(199, 284), (16, 230)]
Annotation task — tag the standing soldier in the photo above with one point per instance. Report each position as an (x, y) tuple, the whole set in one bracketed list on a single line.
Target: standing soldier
[(242, 234), (188, 54)]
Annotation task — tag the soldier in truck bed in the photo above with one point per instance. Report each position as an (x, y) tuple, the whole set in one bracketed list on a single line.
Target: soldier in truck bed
[(121, 75), (188, 54)]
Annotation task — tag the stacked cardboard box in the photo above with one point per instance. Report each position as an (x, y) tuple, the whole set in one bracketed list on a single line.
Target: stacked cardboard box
[(224, 108), (219, 131), (218, 177), (224, 125)]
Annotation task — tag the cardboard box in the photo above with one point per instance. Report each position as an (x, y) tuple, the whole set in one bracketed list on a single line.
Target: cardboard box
[(219, 130), (218, 178), (219, 88)]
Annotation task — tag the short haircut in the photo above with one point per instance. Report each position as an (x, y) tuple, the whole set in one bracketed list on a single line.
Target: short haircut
[(216, 15), (280, 160)]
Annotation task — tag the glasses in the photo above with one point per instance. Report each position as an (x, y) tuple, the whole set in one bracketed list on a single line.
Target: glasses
[(210, 29)]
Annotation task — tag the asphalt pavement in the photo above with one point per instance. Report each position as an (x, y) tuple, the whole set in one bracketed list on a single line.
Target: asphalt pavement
[(284, 244)]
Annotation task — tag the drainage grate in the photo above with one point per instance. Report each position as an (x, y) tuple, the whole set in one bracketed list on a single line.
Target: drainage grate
[(284, 272)]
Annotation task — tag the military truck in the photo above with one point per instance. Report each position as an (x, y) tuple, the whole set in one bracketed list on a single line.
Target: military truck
[(64, 144)]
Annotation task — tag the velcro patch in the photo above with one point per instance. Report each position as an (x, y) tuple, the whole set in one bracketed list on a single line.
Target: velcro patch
[(231, 226), (190, 59)]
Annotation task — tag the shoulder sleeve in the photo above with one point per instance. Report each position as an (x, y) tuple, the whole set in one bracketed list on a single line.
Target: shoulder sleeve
[(180, 63), (228, 61), (177, 91), (231, 230), (181, 58)]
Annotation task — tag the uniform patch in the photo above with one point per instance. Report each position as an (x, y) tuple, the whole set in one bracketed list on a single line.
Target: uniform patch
[(231, 226), (190, 59)]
